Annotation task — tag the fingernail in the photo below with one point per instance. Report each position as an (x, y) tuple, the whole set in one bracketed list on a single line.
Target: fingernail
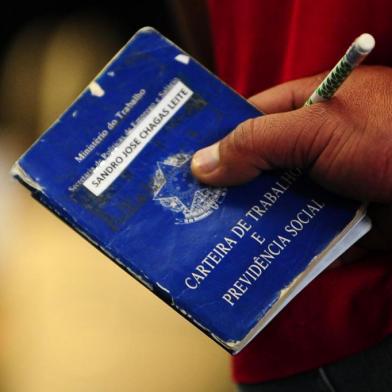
[(207, 159)]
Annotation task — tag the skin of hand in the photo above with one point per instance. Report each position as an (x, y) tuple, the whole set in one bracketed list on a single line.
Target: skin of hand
[(344, 143)]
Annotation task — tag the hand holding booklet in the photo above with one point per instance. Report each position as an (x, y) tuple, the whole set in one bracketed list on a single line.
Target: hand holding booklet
[(116, 168)]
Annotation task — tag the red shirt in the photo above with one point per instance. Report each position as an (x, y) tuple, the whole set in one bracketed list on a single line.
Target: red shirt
[(258, 44)]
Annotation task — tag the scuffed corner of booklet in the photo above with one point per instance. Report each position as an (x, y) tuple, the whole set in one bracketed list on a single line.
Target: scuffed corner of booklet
[(232, 346), (18, 172)]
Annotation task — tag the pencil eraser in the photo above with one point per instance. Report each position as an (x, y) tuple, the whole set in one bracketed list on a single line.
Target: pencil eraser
[(365, 43)]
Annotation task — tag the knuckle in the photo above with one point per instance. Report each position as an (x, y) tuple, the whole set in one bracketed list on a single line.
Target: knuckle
[(243, 140), (322, 118), (318, 112)]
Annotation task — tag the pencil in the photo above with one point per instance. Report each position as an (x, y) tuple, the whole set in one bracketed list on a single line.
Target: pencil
[(355, 54)]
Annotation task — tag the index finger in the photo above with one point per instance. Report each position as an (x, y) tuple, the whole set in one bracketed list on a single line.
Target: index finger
[(286, 96)]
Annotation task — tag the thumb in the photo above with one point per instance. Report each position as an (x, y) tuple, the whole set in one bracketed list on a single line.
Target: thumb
[(281, 140)]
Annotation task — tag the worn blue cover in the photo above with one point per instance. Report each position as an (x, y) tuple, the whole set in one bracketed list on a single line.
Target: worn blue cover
[(116, 167)]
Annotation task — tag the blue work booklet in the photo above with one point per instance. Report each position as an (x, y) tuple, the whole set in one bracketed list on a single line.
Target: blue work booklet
[(116, 168)]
